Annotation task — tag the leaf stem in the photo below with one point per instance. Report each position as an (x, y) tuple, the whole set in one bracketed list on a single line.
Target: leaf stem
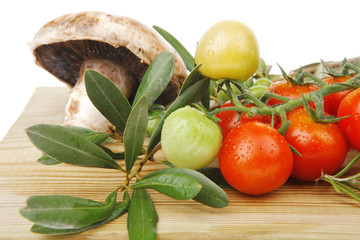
[(347, 185), (136, 170), (347, 167)]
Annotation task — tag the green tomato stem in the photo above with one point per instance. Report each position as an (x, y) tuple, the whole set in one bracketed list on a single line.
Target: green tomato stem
[(317, 81), (254, 99), (290, 104), (268, 95), (352, 67)]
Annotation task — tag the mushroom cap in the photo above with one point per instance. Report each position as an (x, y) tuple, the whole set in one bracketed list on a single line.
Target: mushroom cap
[(62, 45)]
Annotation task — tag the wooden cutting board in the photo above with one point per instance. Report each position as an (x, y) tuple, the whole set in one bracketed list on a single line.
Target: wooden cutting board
[(295, 211)]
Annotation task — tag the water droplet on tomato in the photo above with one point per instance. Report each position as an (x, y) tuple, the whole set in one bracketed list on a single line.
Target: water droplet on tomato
[(357, 116), (236, 157), (179, 128), (314, 141), (211, 53)]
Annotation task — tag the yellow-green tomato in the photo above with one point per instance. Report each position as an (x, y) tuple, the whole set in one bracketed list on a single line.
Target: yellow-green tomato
[(258, 91), (229, 49), (189, 139), (152, 123), (263, 82)]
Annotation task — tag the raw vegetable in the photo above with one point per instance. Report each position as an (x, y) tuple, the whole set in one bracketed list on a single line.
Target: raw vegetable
[(323, 146), (255, 159), (333, 101), (189, 139), (350, 109), (228, 120), (229, 49)]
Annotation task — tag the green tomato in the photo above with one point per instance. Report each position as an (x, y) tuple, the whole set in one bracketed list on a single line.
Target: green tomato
[(189, 139), (229, 49), (223, 97), (263, 82), (258, 91), (152, 123)]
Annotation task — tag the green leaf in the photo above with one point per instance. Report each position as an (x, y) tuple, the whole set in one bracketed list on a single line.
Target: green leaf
[(294, 150), (91, 135), (79, 130), (68, 147), (184, 54), (96, 137), (192, 94), (347, 167), (156, 78), (142, 217), (193, 77), (46, 160), (114, 155), (135, 132), (214, 174), (156, 111), (179, 186), (119, 210), (61, 212), (210, 193), (338, 186), (205, 100), (107, 98)]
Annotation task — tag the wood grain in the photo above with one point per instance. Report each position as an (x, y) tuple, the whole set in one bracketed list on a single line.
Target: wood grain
[(295, 211)]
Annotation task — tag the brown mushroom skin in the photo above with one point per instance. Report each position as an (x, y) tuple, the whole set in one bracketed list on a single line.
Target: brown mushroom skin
[(119, 47)]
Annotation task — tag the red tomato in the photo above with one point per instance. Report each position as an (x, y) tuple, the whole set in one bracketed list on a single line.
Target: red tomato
[(323, 146), (229, 119), (350, 107), (286, 89), (333, 101), (255, 159)]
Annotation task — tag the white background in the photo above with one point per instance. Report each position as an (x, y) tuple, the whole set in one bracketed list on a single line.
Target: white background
[(291, 33)]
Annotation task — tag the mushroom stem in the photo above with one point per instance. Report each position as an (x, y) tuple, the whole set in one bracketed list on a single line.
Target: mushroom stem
[(79, 110)]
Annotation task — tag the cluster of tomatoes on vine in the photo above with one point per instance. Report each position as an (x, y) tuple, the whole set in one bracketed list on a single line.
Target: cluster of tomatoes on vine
[(270, 130), (258, 156)]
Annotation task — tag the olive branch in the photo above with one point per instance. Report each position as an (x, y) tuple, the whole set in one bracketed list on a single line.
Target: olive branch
[(58, 214)]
